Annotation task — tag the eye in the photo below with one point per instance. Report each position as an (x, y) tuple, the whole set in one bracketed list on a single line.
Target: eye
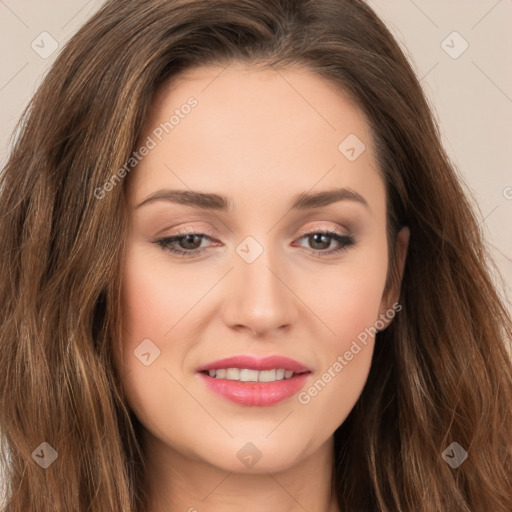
[(319, 240), (185, 244), (190, 244)]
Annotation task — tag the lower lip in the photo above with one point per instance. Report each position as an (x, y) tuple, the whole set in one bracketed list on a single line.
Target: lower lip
[(256, 394)]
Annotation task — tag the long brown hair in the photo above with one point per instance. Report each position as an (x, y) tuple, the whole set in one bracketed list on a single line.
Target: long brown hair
[(441, 372)]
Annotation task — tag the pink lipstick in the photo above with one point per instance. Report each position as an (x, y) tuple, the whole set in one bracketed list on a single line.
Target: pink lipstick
[(253, 381)]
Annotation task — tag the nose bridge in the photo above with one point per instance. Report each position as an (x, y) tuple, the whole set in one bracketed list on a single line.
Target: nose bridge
[(258, 297)]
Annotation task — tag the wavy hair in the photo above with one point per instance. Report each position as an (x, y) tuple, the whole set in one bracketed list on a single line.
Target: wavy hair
[(441, 372)]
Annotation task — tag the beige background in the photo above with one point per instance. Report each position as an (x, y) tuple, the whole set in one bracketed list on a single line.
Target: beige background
[(471, 94)]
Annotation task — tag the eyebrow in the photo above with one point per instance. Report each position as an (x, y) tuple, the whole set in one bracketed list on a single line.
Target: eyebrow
[(303, 201)]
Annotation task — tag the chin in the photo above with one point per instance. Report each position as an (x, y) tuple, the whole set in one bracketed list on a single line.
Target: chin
[(254, 457)]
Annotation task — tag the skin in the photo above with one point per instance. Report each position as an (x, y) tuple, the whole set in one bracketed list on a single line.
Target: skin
[(259, 137)]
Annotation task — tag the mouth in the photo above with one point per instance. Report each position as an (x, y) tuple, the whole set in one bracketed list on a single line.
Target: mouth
[(251, 381), (248, 375)]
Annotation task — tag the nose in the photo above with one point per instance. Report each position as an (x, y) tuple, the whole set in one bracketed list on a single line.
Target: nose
[(258, 296)]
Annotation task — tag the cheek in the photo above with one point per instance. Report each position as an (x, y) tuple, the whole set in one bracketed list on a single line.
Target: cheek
[(155, 295), (348, 298), (153, 301), (149, 310), (346, 358)]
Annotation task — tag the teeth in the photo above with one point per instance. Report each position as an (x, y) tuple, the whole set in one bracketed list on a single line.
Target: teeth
[(246, 375), (267, 376), (232, 374)]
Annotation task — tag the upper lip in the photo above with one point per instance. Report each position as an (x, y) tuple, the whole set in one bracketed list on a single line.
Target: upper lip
[(256, 363)]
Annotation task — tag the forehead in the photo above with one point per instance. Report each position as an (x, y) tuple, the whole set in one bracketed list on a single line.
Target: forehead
[(254, 129), (238, 93)]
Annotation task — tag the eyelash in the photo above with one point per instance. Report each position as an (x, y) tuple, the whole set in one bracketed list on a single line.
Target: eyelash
[(346, 242)]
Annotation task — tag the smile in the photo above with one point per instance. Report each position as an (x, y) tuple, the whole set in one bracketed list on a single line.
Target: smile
[(247, 375), (253, 381)]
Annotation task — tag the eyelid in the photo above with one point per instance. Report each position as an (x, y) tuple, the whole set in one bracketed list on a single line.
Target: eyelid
[(187, 230), (320, 227)]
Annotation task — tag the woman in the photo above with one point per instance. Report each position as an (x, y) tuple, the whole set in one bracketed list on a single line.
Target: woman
[(334, 341)]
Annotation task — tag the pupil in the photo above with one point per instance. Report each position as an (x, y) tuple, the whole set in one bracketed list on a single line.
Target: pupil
[(319, 235), (189, 240)]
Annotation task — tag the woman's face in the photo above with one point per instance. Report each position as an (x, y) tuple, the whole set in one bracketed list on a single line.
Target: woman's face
[(257, 278)]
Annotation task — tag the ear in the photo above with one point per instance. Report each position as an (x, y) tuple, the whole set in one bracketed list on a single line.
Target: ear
[(394, 293)]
